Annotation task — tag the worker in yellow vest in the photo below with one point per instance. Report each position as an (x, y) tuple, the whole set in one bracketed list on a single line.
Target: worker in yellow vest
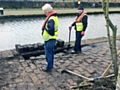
[(80, 27), (49, 34)]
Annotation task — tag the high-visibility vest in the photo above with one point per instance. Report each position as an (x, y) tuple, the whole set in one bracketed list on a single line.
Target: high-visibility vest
[(46, 36), (79, 25)]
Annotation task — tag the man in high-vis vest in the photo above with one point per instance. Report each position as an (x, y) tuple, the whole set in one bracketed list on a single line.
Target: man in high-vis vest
[(49, 34), (80, 27)]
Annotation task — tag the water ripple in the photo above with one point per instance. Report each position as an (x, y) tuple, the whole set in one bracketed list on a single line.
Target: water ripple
[(28, 30)]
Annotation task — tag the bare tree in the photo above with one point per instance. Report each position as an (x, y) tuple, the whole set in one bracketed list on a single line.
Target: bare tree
[(111, 39)]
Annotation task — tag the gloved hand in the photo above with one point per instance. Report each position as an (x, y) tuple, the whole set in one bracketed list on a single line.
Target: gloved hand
[(82, 33)]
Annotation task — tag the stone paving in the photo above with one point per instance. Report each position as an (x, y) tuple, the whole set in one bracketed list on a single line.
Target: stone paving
[(16, 73)]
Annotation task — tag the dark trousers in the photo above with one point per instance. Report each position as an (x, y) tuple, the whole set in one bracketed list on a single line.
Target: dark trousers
[(49, 53), (77, 45)]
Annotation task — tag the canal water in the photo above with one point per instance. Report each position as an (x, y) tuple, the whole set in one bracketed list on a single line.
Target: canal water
[(28, 30)]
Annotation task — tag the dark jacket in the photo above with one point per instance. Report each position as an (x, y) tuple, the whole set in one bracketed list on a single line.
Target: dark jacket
[(50, 26)]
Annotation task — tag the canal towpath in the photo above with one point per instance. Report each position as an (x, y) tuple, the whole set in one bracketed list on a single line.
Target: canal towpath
[(17, 73), (63, 11)]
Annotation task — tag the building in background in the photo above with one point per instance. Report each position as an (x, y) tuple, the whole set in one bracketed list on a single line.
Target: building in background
[(79, 1), (55, 3)]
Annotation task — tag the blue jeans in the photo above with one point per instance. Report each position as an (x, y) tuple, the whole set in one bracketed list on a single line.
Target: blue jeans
[(49, 53), (77, 45)]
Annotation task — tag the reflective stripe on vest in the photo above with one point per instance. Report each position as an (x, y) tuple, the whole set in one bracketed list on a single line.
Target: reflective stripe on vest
[(46, 35)]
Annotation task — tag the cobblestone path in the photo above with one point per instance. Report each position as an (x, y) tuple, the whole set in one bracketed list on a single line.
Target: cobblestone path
[(16, 73)]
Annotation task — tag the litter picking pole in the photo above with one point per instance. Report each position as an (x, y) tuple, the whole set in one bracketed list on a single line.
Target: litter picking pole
[(69, 38), (68, 71), (69, 34)]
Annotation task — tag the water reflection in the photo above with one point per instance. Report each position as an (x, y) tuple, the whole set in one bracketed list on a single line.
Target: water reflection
[(28, 30)]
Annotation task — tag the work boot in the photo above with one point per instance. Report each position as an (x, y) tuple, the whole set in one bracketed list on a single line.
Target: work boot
[(45, 69), (74, 52)]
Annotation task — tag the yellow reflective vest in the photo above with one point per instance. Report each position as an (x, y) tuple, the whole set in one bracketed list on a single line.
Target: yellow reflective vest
[(79, 25), (46, 36)]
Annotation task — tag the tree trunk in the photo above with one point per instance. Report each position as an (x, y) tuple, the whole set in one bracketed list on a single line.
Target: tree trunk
[(118, 80), (112, 42)]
